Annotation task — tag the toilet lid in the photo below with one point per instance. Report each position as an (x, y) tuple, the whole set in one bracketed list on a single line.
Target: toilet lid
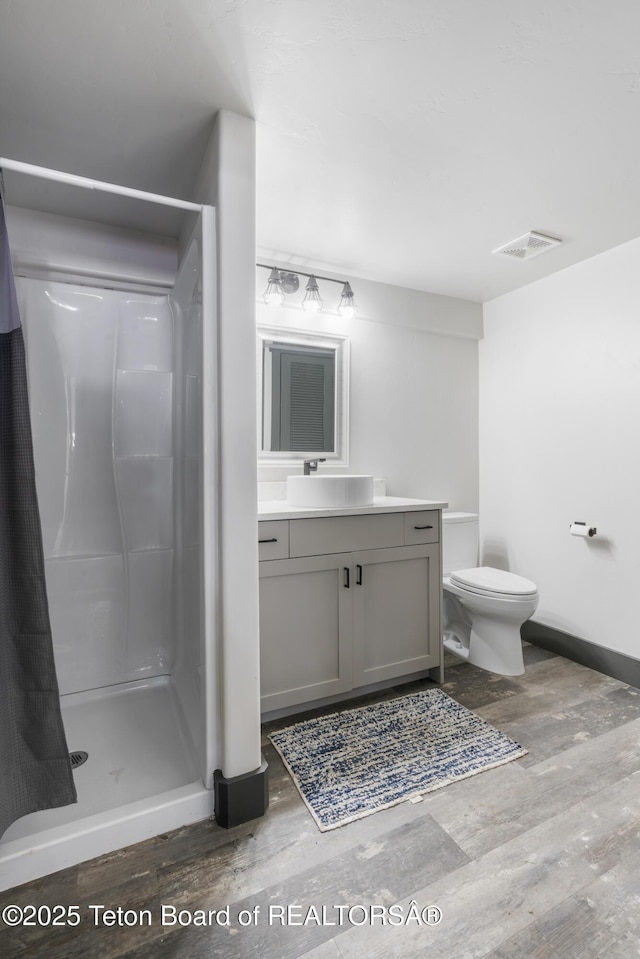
[(492, 580)]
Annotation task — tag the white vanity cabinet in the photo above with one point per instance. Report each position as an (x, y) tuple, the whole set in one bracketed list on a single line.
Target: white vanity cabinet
[(356, 602)]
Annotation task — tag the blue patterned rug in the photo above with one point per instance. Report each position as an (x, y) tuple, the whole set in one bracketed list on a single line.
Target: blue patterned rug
[(353, 763)]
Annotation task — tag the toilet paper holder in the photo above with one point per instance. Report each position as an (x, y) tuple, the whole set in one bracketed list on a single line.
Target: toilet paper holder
[(578, 528)]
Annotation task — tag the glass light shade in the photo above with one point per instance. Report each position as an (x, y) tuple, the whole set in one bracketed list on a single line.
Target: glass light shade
[(312, 302), (348, 308), (274, 294)]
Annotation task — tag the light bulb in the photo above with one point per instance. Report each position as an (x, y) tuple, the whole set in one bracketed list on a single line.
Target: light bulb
[(274, 294), (312, 302), (348, 308)]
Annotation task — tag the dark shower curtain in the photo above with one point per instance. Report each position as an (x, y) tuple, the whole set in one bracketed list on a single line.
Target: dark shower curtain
[(35, 770)]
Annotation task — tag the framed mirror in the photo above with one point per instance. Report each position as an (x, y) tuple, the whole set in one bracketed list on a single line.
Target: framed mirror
[(303, 390)]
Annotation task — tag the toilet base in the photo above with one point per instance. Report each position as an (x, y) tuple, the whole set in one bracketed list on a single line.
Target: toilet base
[(495, 646), (454, 646)]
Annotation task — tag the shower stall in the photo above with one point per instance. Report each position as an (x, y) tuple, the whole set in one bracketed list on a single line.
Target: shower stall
[(122, 387)]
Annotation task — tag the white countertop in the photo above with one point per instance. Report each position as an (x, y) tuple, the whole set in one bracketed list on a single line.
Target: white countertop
[(280, 509)]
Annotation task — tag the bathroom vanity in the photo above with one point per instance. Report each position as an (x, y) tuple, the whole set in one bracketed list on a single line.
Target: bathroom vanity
[(349, 598)]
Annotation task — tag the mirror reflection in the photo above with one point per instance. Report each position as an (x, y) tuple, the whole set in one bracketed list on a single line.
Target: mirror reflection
[(302, 394), (298, 397)]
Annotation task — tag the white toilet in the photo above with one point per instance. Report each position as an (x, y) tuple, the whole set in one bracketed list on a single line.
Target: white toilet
[(483, 608)]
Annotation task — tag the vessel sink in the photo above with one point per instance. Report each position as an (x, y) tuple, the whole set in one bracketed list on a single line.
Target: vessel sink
[(330, 490)]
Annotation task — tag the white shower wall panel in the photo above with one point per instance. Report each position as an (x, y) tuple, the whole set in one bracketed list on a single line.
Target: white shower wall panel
[(192, 513), (150, 644), (189, 666), (71, 339), (145, 485), (101, 372), (143, 413), (145, 340), (192, 462), (87, 607)]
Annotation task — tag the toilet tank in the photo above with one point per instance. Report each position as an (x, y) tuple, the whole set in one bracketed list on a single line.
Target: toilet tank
[(459, 541)]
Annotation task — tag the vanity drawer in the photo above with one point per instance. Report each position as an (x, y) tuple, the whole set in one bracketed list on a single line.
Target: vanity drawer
[(421, 527), (273, 539), (344, 534)]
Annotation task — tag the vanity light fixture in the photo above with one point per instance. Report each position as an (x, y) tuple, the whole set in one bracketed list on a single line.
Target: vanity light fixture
[(283, 282)]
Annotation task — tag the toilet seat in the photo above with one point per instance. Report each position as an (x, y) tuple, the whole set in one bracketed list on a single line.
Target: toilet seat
[(487, 581)]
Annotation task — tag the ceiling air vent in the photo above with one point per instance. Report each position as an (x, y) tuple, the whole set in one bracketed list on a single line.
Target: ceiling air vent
[(528, 245)]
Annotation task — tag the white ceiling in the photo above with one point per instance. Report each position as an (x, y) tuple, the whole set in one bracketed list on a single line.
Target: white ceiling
[(400, 140)]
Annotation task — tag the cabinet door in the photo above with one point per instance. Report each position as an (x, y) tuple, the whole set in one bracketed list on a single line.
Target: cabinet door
[(305, 629), (396, 612)]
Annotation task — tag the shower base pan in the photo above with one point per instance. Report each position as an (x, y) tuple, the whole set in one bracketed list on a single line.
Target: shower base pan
[(139, 780)]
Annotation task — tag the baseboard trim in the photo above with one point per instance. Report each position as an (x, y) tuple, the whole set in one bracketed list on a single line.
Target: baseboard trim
[(607, 661), (241, 798)]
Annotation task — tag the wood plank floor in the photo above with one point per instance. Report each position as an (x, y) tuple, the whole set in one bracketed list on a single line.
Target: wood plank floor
[(538, 858)]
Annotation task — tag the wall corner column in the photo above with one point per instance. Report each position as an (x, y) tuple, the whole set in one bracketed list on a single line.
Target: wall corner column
[(227, 181)]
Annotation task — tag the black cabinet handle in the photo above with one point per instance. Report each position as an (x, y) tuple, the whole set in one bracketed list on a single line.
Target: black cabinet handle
[(274, 539), (346, 577), (359, 575), (423, 527)]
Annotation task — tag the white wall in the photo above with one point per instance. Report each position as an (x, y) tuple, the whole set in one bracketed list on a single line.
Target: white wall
[(559, 441), (413, 404)]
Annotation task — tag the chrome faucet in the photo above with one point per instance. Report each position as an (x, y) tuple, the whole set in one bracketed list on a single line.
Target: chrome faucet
[(310, 466)]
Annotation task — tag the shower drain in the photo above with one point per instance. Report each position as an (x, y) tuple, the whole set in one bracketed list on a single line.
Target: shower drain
[(78, 758)]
